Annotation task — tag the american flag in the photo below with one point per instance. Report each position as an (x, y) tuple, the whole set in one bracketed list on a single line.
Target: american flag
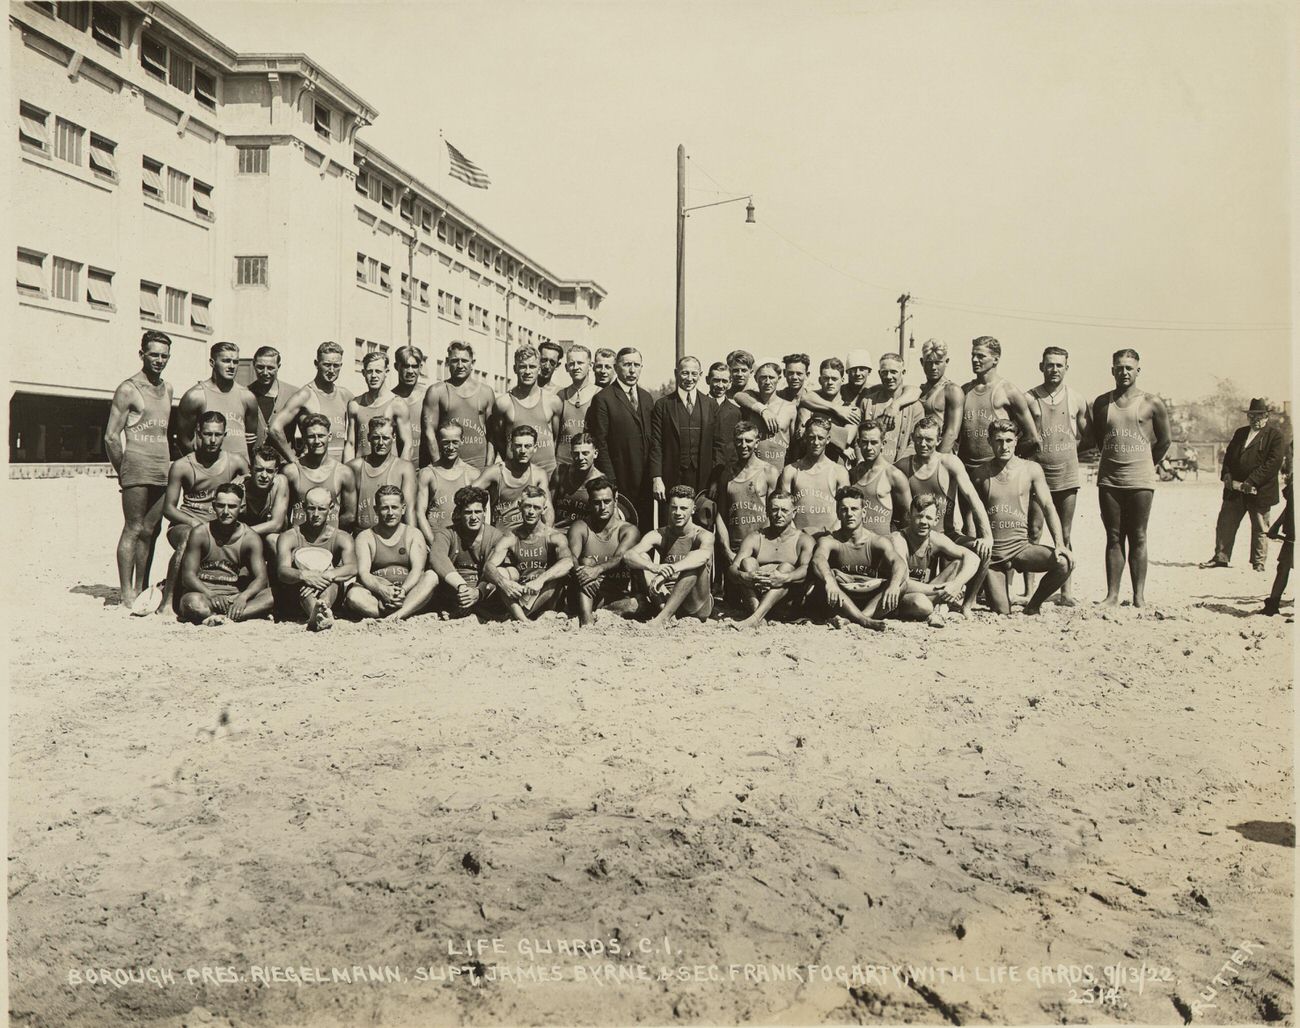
[(467, 171)]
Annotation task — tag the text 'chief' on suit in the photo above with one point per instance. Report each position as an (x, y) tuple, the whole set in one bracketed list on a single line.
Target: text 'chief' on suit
[(619, 422)]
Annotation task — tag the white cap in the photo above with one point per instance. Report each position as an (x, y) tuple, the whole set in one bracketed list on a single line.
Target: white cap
[(858, 359)]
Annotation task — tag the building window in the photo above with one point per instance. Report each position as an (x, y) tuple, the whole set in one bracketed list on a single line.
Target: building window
[(103, 157), (150, 305), (363, 183), (254, 160), (178, 188), (175, 306), (442, 231), (251, 271), (99, 289), (442, 302), (424, 295), (67, 279), (180, 72), (106, 27), (460, 240), (205, 88), (153, 57), (67, 141), (361, 267), (203, 201), (152, 181), (406, 288), (33, 128), (321, 119), (456, 311), (407, 208), (76, 14), (426, 219), (386, 197), (31, 272), (385, 281), (201, 314)]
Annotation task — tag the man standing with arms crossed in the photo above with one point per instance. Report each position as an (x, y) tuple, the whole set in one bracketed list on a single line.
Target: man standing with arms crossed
[(268, 391), (1131, 428), (324, 396), (1062, 419), (527, 403), (463, 400), (941, 397), (598, 543), (679, 579), (136, 442), (220, 393), (373, 403)]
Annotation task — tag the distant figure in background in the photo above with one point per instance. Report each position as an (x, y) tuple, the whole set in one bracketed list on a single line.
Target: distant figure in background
[(1249, 475), (268, 391), (1284, 529), (135, 439)]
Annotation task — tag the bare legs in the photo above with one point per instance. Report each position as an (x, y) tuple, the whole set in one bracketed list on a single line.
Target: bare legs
[(760, 603), (1125, 513), (142, 507), (365, 605), (199, 609)]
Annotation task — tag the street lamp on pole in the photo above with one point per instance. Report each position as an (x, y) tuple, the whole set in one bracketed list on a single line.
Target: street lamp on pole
[(682, 211)]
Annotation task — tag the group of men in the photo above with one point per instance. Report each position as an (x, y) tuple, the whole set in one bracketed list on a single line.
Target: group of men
[(844, 500)]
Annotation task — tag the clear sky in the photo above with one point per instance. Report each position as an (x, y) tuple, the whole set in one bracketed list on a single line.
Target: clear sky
[(1115, 163)]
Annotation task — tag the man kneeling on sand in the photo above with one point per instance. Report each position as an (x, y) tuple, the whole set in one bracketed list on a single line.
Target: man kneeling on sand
[(223, 575), (315, 558)]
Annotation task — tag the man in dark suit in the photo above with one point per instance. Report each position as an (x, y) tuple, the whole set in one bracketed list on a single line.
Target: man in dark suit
[(727, 410), (684, 445), (619, 421), (1250, 487)]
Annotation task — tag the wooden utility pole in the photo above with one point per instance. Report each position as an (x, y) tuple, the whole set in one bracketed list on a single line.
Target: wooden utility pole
[(410, 281), (681, 252), (902, 318)]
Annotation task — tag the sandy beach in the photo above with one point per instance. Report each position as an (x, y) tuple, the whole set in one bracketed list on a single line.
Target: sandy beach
[(1079, 818)]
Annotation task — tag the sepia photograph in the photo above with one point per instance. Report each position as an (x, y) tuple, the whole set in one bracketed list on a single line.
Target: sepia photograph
[(649, 512)]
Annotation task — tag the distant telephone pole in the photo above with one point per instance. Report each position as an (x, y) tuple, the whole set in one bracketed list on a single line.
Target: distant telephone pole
[(903, 301)]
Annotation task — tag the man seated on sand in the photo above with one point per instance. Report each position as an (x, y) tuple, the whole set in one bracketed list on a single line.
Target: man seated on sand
[(458, 555), (598, 542), (539, 560), (938, 570), (678, 580), (223, 575), (393, 579), (191, 483), (315, 558), (860, 572), (772, 563), (1007, 485)]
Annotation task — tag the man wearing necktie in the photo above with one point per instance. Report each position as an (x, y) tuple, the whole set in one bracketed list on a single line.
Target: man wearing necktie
[(619, 421), (684, 446)]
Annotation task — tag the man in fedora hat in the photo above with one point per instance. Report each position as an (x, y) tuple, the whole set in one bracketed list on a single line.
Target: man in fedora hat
[(1250, 469)]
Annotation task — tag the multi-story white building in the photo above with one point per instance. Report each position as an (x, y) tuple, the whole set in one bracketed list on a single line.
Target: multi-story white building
[(229, 196)]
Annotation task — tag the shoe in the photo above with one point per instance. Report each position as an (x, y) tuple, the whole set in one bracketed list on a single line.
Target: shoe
[(1269, 610), (1215, 563), (1257, 567)]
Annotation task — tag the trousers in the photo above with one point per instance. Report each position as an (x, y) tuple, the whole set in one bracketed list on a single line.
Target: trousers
[(1236, 506)]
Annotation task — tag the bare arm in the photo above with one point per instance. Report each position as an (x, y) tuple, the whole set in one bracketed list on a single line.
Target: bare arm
[(113, 431), (638, 557), (345, 558), (497, 558), (423, 494), (177, 480), (190, 561), (818, 404), (429, 411), (276, 430), (408, 494), (402, 426), (1160, 425), (954, 406), (1043, 497), (347, 497), (563, 562), (901, 494), (972, 503), (701, 553), (748, 549), (350, 418), (1018, 408), (187, 416), (279, 507)]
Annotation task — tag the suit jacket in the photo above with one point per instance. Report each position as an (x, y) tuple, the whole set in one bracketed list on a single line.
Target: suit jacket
[(1257, 464), (622, 436), (669, 460), (724, 430)]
